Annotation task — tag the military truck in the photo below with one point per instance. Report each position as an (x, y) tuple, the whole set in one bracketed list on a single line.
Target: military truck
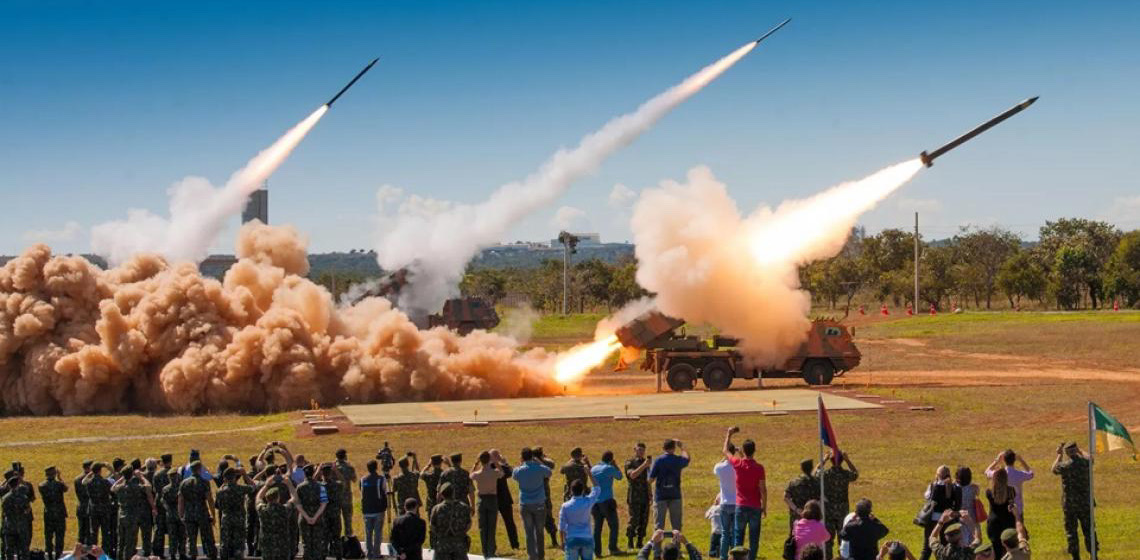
[(462, 315), (684, 359)]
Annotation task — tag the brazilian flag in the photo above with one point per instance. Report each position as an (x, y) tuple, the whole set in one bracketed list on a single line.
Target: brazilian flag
[(1110, 433)]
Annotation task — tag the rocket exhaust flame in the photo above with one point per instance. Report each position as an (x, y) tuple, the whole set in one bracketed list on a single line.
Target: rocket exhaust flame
[(572, 365)]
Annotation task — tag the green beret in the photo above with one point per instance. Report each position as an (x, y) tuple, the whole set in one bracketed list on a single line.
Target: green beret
[(1071, 445), (1009, 536), (738, 552), (50, 469), (984, 547), (951, 528)]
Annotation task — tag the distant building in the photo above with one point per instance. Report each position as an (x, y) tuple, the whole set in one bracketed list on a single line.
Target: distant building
[(257, 207), (584, 240)]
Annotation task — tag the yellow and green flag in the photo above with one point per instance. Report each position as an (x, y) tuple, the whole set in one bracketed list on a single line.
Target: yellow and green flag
[(1110, 433)]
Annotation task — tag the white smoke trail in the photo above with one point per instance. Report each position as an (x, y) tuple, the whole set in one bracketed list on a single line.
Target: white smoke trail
[(708, 264), (437, 239), (197, 209)]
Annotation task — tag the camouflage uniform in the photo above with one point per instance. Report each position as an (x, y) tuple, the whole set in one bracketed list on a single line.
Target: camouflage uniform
[(450, 521), (837, 503), (230, 503), (1074, 472), (551, 526), (196, 518), (460, 481), (273, 537), (149, 522), (159, 482), (574, 470), (55, 516), (133, 507), (431, 477), (637, 499), (174, 528), (16, 509), (953, 551), (101, 513), (82, 511), (312, 536), (800, 491), (334, 489), (406, 485), (348, 475)]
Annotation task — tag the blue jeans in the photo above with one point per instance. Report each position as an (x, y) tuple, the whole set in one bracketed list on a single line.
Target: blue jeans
[(579, 549), (728, 530), (748, 519)]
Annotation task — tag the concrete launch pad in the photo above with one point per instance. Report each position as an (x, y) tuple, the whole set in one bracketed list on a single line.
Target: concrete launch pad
[(609, 406)]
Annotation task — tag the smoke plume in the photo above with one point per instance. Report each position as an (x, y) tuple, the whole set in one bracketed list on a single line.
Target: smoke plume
[(198, 210), (437, 239), (154, 337), (707, 263)]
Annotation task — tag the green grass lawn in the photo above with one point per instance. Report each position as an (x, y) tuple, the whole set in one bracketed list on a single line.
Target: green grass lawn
[(896, 451)]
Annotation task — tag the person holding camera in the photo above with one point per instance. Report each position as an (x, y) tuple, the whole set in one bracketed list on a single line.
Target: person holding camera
[(53, 491), (751, 492), (237, 487), (665, 475), (945, 496), (276, 510), (196, 509), (575, 515), (653, 549), (485, 479), (406, 485), (1072, 465), (136, 501)]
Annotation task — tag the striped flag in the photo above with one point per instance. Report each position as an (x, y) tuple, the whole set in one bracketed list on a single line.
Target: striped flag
[(1110, 433), (827, 433)]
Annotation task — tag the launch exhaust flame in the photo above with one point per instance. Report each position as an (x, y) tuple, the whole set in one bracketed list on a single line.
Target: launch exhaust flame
[(708, 264), (150, 337), (197, 209), (437, 239), (572, 365)]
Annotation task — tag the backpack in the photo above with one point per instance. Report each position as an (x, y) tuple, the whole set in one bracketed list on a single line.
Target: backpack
[(351, 549)]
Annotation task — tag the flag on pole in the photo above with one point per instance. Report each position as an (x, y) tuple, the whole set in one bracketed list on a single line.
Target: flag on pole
[(826, 433), (1110, 433)]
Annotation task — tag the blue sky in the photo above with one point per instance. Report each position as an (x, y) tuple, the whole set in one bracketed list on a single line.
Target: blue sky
[(107, 104)]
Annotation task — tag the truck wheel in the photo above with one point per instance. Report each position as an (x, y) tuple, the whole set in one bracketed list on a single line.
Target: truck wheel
[(681, 377), (717, 375), (818, 372)]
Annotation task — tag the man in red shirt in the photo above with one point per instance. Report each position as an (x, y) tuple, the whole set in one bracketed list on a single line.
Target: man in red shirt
[(751, 492)]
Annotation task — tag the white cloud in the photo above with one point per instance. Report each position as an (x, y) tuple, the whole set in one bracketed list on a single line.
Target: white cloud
[(568, 217), (621, 195), (69, 232)]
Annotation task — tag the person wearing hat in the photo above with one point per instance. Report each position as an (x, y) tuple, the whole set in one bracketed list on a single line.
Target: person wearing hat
[(1016, 540), (950, 547), (52, 491), (460, 479), (348, 477), (314, 502), (573, 470), (133, 493), (159, 481), (329, 478), (431, 475), (983, 550), (16, 509), (800, 490), (450, 521), (637, 496), (406, 484), (894, 550), (655, 550), (1072, 465), (82, 513), (100, 509), (196, 509), (237, 487), (275, 512), (551, 526), (173, 527)]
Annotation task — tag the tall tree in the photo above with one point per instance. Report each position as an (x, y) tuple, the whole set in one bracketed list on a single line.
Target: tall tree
[(984, 251), (1089, 243), (1122, 278), (1022, 275)]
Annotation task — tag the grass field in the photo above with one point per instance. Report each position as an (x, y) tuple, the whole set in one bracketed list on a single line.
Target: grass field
[(896, 450)]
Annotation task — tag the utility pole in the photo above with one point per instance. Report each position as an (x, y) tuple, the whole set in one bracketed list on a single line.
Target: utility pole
[(569, 247), (916, 263)]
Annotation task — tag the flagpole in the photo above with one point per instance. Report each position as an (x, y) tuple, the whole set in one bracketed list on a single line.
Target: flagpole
[(1092, 461), (822, 470)]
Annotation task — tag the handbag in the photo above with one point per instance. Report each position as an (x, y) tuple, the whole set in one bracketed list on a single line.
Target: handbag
[(790, 548), (980, 515), (926, 513)]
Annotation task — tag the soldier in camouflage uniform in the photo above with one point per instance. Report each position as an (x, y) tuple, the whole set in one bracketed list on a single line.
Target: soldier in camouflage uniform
[(459, 479), (159, 482), (334, 491), (83, 509), (196, 509), (150, 519), (407, 483), (637, 499), (16, 509), (275, 515), (837, 503), (230, 504), (55, 513), (1073, 466), (136, 502), (431, 475), (348, 476), (573, 470), (100, 510), (175, 531), (450, 522), (551, 526), (313, 503), (801, 490)]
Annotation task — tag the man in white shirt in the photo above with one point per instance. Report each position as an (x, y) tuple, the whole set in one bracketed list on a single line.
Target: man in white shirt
[(726, 477), (1016, 476)]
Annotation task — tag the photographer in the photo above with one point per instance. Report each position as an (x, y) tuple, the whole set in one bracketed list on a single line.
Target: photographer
[(653, 550)]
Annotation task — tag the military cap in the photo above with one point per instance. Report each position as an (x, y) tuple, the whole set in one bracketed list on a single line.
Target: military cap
[(50, 469), (984, 547), (437, 458), (1070, 445), (195, 464), (136, 463), (952, 528), (738, 552), (87, 463), (1009, 535), (126, 471), (98, 465), (166, 457)]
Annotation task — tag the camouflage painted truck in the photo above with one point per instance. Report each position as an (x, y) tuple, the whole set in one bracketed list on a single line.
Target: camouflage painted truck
[(461, 315), (684, 359)]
